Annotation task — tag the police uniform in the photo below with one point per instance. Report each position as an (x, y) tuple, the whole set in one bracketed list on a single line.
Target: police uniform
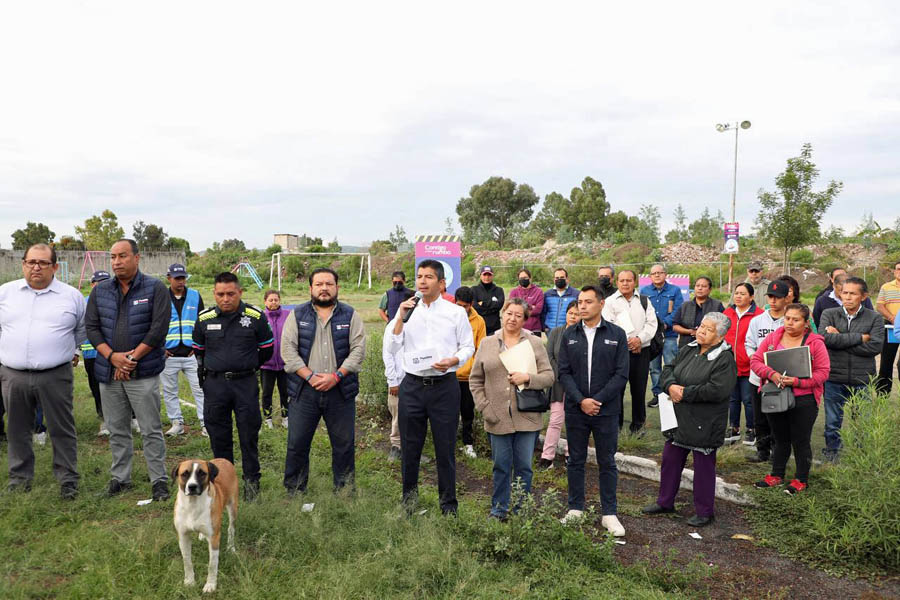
[(232, 346)]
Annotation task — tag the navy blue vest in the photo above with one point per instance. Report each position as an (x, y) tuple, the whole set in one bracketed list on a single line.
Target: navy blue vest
[(306, 318), (139, 312), (395, 299)]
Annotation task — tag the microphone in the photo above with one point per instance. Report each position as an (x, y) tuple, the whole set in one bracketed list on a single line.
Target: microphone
[(419, 295)]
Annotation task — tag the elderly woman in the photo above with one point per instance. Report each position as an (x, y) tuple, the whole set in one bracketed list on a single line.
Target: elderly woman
[(557, 407), (699, 382), (512, 433), (792, 428)]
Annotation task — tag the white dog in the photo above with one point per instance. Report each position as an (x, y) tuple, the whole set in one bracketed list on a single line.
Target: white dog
[(205, 490)]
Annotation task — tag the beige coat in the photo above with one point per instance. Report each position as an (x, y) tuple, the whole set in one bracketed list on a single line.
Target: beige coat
[(495, 397)]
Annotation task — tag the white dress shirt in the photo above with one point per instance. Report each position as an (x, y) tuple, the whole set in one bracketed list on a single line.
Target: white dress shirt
[(441, 327), (643, 321), (393, 361), (40, 329)]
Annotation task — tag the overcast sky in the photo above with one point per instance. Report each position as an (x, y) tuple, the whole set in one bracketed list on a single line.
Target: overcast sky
[(220, 120)]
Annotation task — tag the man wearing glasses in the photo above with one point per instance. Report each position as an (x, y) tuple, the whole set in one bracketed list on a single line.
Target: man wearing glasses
[(41, 327), (760, 284), (666, 299)]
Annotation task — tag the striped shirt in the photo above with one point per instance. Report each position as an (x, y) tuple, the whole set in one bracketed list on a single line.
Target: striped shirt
[(890, 296)]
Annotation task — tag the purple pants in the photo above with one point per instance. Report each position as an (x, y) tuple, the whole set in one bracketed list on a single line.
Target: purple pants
[(673, 460)]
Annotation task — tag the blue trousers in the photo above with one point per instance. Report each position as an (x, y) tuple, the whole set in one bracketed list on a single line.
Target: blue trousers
[(741, 395), (512, 454), (605, 429), (670, 350), (836, 395)]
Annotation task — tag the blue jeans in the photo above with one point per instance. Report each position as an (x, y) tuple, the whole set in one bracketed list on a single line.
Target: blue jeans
[(670, 350), (512, 455), (741, 395), (836, 395), (605, 429)]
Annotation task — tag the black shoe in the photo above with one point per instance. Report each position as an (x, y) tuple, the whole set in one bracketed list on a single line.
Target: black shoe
[(759, 457), (830, 455), (637, 430), (654, 403), (115, 487), (450, 512), (501, 518), (750, 438), (68, 491), (394, 454), (698, 521), (545, 464), (19, 486), (160, 491), (656, 509), (251, 490)]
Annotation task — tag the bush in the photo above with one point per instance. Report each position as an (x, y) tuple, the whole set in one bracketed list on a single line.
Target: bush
[(372, 382), (802, 256)]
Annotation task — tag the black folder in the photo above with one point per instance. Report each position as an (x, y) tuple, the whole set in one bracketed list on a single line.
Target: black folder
[(795, 362)]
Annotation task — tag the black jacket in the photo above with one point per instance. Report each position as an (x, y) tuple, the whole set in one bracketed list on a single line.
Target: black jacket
[(852, 360), (609, 367), (488, 302), (703, 411), (554, 341), (824, 302)]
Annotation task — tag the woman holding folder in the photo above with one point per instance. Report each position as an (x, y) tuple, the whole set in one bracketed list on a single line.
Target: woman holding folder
[(699, 383), (792, 428), (512, 433)]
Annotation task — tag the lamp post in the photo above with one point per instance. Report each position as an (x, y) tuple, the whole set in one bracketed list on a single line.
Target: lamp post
[(722, 127)]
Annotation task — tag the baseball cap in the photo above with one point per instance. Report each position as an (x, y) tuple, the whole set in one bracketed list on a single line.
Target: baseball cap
[(99, 276), (754, 265), (777, 288), (486, 269), (177, 270)]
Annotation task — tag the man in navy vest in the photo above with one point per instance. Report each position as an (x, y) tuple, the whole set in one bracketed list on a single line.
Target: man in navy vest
[(186, 305), (392, 298), (127, 319), (322, 345)]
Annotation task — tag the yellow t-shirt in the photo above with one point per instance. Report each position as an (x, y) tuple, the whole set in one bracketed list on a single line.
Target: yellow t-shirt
[(890, 296)]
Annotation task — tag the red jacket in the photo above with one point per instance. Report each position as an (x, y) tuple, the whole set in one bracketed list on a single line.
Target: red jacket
[(739, 329), (821, 364)]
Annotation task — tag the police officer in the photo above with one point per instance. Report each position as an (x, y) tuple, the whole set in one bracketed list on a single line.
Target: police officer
[(231, 341)]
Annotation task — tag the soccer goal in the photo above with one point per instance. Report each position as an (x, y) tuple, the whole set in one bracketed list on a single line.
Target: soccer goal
[(276, 272)]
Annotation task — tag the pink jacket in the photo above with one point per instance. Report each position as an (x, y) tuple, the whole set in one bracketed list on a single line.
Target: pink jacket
[(534, 296), (821, 364)]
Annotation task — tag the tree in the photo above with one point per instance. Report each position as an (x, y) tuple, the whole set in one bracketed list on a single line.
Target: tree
[(398, 237), (500, 203), (177, 243), (150, 237), (707, 230), (69, 242), (334, 246), (32, 233), (790, 216), (99, 233), (679, 232), (550, 218), (449, 228), (382, 247), (587, 210), (646, 230), (233, 245)]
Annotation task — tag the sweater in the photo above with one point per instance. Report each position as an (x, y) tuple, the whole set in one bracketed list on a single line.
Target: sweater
[(821, 363), (534, 296), (478, 334)]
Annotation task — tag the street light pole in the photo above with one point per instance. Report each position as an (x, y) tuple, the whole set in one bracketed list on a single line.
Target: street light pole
[(722, 127)]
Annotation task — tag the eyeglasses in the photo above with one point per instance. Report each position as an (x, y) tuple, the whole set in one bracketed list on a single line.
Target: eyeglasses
[(754, 271), (658, 273), (43, 264)]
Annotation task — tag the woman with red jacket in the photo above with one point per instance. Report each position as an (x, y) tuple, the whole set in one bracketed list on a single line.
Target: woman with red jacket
[(741, 313), (793, 428)]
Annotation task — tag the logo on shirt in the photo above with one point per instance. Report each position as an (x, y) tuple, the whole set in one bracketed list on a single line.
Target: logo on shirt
[(571, 342), (141, 301), (245, 321), (611, 342), (214, 327), (343, 326)]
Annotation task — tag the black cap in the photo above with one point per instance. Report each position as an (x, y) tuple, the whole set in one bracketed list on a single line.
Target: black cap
[(778, 288), (99, 276)]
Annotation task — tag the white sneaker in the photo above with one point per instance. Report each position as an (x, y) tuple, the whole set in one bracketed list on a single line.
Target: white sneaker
[(573, 516), (269, 422), (177, 428), (103, 430), (203, 431), (284, 422), (40, 438), (612, 525), (469, 451), (135, 427)]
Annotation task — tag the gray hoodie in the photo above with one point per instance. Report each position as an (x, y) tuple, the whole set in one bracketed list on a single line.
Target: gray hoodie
[(760, 326)]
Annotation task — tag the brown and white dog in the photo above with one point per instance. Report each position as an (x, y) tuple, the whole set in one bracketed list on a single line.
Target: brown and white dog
[(205, 490)]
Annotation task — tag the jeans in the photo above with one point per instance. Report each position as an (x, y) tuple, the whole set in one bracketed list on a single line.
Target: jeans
[(836, 395), (169, 380), (741, 395), (303, 419), (605, 430), (670, 350), (512, 461)]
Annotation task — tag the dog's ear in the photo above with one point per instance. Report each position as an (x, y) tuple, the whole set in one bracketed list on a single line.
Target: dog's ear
[(213, 471), (175, 472)]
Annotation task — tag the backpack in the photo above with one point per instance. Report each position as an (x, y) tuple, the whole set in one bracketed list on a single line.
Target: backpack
[(659, 339)]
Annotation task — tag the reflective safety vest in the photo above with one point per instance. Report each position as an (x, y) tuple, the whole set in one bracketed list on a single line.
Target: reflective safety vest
[(181, 327), (88, 351)]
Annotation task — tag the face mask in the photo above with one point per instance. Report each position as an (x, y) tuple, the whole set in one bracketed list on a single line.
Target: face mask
[(560, 283), (398, 286), (604, 281), (524, 282)]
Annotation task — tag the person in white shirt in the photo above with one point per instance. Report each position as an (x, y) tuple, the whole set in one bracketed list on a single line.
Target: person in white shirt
[(625, 309), (435, 341), (393, 372), (41, 328)]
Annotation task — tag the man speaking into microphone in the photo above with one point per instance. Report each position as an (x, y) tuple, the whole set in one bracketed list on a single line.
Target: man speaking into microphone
[(434, 341)]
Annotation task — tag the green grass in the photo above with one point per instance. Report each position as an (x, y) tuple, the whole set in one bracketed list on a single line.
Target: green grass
[(348, 547)]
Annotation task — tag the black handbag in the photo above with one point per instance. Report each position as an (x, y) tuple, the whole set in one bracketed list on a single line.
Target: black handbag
[(532, 400)]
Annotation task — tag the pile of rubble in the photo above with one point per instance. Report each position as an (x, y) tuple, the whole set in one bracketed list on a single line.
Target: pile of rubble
[(685, 252)]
